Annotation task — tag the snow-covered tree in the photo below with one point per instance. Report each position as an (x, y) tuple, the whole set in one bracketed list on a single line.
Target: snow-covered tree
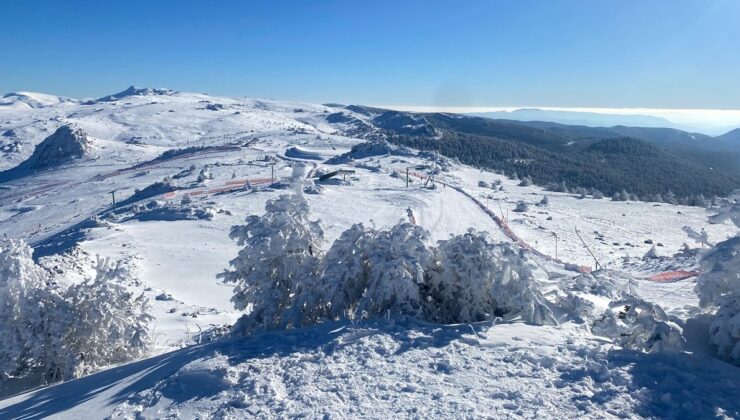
[(651, 254), (104, 324), (670, 197), (521, 207), (205, 174), (345, 276), (526, 181), (395, 262), (544, 202), (281, 255), (49, 333), (22, 321), (596, 194), (719, 285), (474, 279)]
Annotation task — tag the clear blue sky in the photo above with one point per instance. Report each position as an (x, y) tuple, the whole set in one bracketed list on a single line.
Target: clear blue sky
[(630, 53)]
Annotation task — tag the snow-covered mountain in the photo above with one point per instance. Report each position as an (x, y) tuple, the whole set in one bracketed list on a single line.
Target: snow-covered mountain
[(156, 178), (589, 119), (32, 100)]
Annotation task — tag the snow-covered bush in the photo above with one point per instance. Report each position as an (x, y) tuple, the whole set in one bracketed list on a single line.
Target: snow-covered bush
[(370, 273), (521, 207), (719, 285), (474, 279), (544, 202), (526, 181), (282, 280), (724, 330), (22, 318), (651, 254), (345, 275), (555, 187), (281, 254), (596, 194), (396, 262), (483, 184), (101, 323), (204, 175), (637, 324), (49, 333)]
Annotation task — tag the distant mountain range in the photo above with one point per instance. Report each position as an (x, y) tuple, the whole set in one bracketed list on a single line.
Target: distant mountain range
[(595, 119), (589, 119), (641, 160)]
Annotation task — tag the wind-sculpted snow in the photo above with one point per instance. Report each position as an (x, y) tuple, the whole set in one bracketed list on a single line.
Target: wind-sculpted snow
[(399, 368), (636, 324)]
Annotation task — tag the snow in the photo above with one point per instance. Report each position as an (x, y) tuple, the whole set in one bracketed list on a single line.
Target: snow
[(344, 369), (399, 368)]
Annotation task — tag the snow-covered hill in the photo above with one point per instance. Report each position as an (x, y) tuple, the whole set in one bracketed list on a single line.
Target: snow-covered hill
[(167, 174)]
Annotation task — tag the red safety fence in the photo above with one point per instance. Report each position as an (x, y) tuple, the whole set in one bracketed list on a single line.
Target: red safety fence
[(502, 224), (673, 276), (228, 186)]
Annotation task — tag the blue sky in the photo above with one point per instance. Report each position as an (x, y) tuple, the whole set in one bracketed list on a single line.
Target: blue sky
[(658, 53)]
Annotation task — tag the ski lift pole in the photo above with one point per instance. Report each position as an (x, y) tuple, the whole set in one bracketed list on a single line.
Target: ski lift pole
[(588, 249)]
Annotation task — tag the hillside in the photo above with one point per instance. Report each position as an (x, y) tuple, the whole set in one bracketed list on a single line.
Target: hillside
[(687, 164), (732, 137)]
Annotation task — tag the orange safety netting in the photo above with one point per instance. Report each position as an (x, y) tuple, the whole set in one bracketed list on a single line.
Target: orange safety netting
[(671, 276)]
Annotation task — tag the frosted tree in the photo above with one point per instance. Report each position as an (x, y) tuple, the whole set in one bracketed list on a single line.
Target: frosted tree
[(700, 237), (204, 175), (345, 276), (476, 279), (719, 284), (281, 255), (22, 321), (670, 197), (521, 207), (49, 333), (105, 324), (396, 260)]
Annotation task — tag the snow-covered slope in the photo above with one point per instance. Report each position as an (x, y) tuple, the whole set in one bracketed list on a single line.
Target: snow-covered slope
[(218, 158), (32, 100), (403, 368)]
